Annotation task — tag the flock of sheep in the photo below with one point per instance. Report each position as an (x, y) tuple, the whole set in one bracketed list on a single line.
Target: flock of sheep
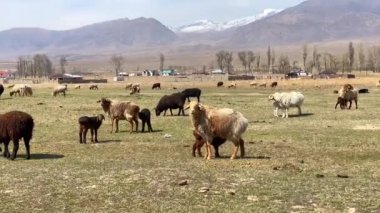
[(212, 126)]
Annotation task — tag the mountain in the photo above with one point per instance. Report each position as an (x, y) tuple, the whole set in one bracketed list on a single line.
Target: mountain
[(111, 35), (313, 21), (202, 26)]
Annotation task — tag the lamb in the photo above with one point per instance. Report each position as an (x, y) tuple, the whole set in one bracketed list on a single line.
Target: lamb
[(60, 89), (77, 87), (93, 87), (216, 142), (285, 100), (192, 92), (15, 125), (92, 123), (21, 90), (27, 90), (135, 89), (129, 85), (173, 101), (224, 123), (232, 85), (121, 111), (274, 84), (156, 86), (219, 84), (253, 84), (263, 85), (144, 116), (1, 89)]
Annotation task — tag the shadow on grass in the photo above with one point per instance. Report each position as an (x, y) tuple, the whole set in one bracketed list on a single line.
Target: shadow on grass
[(302, 115), (260, 157), (108, 141), (40, 156), (5, 98), (154, 131)]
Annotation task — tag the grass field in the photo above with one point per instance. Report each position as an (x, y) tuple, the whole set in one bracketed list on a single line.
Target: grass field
[(140, 172)]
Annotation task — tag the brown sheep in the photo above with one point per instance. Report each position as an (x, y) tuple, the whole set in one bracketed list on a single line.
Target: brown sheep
[(15, 125), (224, 123), (121, 111)]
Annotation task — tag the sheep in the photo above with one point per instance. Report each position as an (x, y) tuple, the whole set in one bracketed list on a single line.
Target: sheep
[(216, 142), (60, 89), (144, 116), (224, 123), (15, 125), (93, 87), (92, 123), (156, 86), (19, 89), (363, 90), (274, 84), (192, 92), (285, 100), (121, 111), (173, 101), (253, 84), (232, 85), (27, 90), (219, 84), (77, 87), (347, 93), (135, 89), (263, 85), (1, 89)]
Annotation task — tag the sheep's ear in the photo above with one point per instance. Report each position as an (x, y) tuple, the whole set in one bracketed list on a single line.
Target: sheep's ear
[(201, 107)]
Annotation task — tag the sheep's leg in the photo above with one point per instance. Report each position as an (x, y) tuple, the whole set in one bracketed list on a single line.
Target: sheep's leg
[(171, 113), (15, 149), (137, 124), (188, 99), (131, 122), (85, 135), (92, 135), (284, 114), (149, 126), (356, 103), (165, 112), (299, 110), (6, 150), (275, 112), (216, 148), (96, 135), (117, 125), (242, 149), (198, 99), (235, 150), (350, 104), (112, 120), (208, 151), (80, 134), (27, 147), (143, 126)]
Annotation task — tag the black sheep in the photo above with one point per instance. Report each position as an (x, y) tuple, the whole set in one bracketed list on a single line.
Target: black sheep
[(219, 84), (92, 123), (1, 89), (144, 116), (156, 86), (173, 101), (216, 142), (15, 125), (274, 84), (192, 92), (363, 91)]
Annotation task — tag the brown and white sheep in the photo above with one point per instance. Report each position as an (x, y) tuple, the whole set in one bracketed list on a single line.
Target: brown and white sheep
[(60, 89), (21, 90), (93, 87), (347, 93), (15, 125), (92, 123), (121, 111), (135, 88), (224, 123)]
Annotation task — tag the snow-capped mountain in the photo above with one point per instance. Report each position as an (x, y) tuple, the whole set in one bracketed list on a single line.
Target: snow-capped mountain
[(207, 25)]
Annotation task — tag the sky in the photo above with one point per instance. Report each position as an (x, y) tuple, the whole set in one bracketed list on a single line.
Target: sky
[(69, 14)]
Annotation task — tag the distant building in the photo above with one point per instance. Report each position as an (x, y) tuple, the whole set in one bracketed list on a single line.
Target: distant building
[(218, 72), (6, 74), (151, 73), (169, 72)]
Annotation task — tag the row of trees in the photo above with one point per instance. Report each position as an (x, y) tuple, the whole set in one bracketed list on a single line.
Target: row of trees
[(316, 62), (39, 66)]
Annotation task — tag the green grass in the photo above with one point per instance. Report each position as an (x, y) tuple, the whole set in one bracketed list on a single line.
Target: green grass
[(140, 172)]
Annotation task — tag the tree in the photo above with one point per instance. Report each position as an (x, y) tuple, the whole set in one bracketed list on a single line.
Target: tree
[(117, 62), (258, 57), (273, 58), (269, 58), (243, 58), (42, 65), (284, 65), (220, 59), (361, 57), (62, 63), (228, 61), (351, 56), (250, 59), (304, 55), (224, 60), (316, 62), (162, 60)]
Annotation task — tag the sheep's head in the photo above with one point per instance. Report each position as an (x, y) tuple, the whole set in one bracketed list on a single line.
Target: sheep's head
[(105, 103), (271, 97), (342, 103), (101, 117)]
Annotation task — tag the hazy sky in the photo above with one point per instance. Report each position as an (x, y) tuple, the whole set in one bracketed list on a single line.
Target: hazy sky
[(67, 14)]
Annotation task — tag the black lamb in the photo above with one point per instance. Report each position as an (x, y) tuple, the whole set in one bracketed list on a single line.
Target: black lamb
[(144, 116), (92, 123)]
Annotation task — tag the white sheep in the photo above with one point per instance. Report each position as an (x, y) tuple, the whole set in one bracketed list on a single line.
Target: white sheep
[(286, 100), (224, 123), (60, 89), (21, 90)]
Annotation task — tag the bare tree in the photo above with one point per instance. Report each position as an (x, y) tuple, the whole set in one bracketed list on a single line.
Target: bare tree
[(62, 63), (258, 61), (224, 60), (228, 61), (42, 65), (269, 58), (243, 59), (316, 62), (284, 65), (162, 61), (304, 55), (250, 59), (351, 56), (361, 57), (117, 62), (273, 58), (220, 59), (345, 62)]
